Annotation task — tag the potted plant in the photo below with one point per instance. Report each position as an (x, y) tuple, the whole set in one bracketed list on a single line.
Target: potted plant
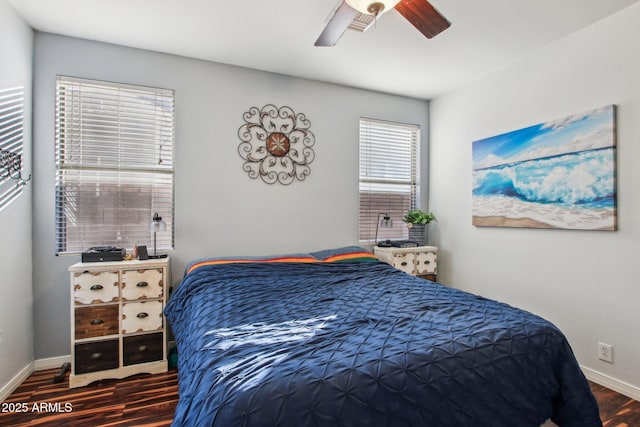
[(417, 221)]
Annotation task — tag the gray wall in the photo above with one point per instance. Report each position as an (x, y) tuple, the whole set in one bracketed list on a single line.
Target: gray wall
[(219, 209), (16, 325), (585, 282)]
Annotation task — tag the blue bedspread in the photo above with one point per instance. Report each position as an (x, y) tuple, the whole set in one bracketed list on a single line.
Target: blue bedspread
[(363, 344)]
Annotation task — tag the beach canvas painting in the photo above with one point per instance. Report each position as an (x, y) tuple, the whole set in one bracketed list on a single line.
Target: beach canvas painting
[(559, 174)]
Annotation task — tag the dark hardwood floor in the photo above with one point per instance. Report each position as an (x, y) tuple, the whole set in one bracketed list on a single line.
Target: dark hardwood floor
[(149, 400), (616, 410), (140, 400)]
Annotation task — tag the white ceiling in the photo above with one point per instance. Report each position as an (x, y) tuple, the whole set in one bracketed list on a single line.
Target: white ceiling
[(278, 36)]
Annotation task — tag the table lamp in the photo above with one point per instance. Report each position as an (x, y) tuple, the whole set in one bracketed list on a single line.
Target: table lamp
[(156, 224)]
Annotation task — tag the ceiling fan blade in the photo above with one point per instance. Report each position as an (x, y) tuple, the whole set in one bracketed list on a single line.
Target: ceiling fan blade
[(337, 25), (423, 16)]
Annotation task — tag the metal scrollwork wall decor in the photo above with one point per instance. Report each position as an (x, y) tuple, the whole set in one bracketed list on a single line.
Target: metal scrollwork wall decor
[(276, 144), (11, 167)]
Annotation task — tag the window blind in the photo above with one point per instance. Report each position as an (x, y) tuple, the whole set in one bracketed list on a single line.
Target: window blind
[(11, 141), (114, 164), (388, 176)]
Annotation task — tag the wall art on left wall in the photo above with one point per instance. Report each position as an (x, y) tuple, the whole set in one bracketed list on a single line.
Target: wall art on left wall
[(558, 174), (11, 145)]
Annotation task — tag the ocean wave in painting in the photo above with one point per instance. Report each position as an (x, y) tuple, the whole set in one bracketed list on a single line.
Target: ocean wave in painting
[(572, 190)]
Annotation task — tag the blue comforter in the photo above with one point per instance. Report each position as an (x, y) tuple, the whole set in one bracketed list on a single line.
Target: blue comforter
[(363, 344)]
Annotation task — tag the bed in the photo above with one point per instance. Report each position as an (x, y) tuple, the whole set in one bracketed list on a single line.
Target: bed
[(337, 338)]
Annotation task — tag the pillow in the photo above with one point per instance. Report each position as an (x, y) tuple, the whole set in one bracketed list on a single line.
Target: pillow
[(245, 259), (345, 254)]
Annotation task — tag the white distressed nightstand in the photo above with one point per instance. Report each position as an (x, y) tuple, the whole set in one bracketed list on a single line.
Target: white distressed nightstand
[(421, 261), (117, 321)]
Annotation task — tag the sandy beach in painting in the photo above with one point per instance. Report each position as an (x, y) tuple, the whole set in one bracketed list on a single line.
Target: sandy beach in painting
[(503, 221), (501, 211)]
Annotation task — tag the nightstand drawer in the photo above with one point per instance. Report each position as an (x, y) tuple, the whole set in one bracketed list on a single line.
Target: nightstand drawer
[(141, 316), (96, 321), (96, 287), (96, 356), (141, 284), (426, 263), (142, 348), (404, 262)]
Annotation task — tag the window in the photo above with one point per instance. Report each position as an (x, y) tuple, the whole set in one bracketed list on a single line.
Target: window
[(11, 142), (114, 164), (388, 176)]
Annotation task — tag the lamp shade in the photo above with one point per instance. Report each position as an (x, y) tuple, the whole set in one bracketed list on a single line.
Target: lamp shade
[(372, 7), (157, 224), (386, 222)]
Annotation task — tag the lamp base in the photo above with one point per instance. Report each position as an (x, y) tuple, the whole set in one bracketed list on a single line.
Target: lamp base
[(158, 256)]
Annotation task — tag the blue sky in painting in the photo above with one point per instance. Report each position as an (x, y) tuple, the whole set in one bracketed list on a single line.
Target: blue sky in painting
[(580, 132)]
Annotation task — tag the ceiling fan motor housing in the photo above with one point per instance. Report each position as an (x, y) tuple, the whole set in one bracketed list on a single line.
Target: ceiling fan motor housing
[(370, 7), (375, 8)]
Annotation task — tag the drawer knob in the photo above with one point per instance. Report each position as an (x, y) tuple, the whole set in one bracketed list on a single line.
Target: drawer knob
[(97, 322), (142, 284), (142, 315), (96, 356), (96, 287), (142, 348)]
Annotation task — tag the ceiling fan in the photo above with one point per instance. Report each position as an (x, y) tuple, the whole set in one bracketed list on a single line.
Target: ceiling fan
[(419, 13)]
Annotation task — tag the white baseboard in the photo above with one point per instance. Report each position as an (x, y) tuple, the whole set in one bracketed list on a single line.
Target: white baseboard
[(612, 383), (15, 382), (36, 365), (50, 362)]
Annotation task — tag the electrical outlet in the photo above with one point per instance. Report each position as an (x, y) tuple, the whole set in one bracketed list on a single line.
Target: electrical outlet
[(605, 352)]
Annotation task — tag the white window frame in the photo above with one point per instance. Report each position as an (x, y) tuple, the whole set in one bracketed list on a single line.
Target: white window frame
[(114, 164), (389, 177)]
